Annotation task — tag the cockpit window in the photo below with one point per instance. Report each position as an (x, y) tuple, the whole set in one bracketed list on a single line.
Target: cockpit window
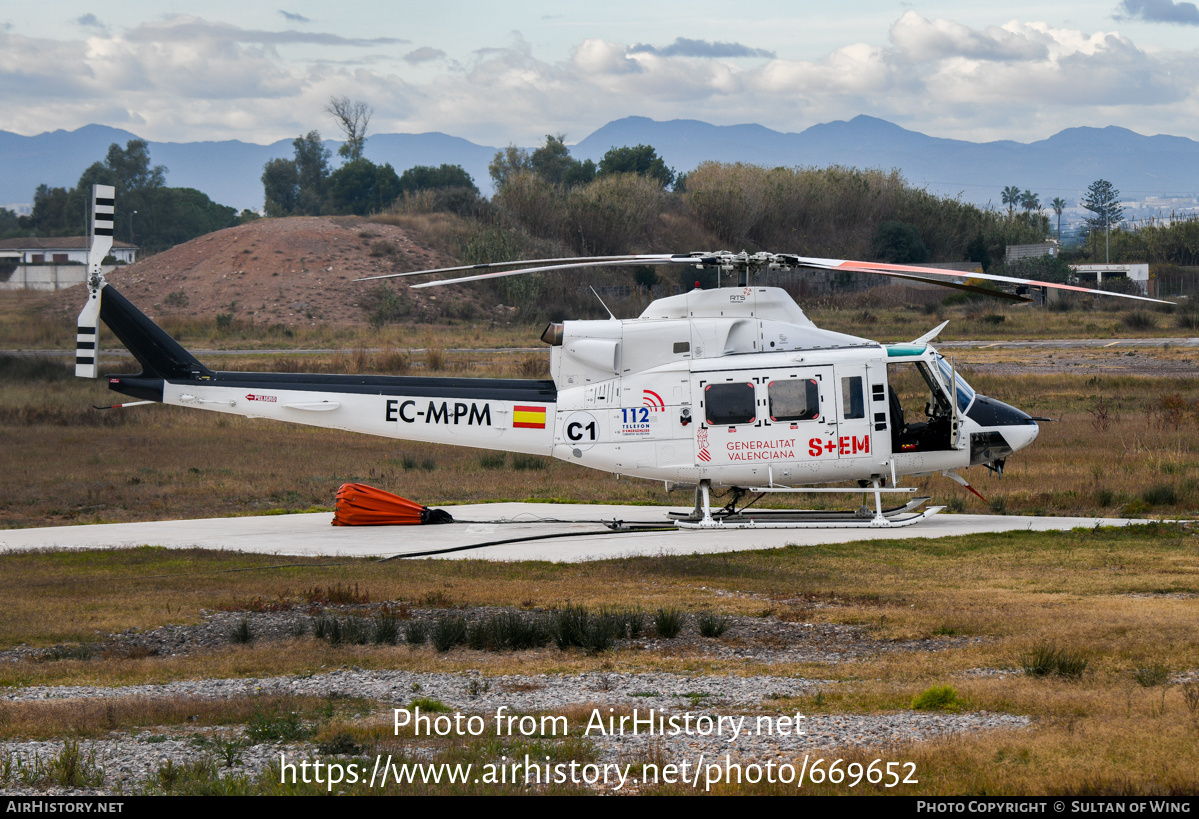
[(964, 390)]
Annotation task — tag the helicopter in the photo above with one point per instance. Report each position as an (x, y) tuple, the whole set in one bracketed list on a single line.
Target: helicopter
[(730, 388)]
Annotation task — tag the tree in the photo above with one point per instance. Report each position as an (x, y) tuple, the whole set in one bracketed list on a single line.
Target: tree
[(553, 163), (312, 171), (352, 117), (1011, 198), (129, 169), (507, 163), (281, 187), (1058, 204), (362, 187), (642, 160), (899, 243), (49, 216), (1045, 268), (426, 177), (171, 216), (10, 224), (1103, 200), (1030, 201), (297, 186)]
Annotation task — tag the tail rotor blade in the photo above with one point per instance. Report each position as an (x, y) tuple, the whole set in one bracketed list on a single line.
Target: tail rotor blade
[(87, 338)]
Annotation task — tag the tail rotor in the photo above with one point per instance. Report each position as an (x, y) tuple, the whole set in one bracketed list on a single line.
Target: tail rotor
[(87, 339)]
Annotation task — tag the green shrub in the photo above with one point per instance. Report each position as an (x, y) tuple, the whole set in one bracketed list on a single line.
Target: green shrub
[(568, 626), (493, 460), (1139, 320), (242, 634), (448, 632), (416, 633), (938, 698), (527, 462), (430, 704), (72, 768), (509, 631), (712, 625), (1151, 675), (1045, 659), (575, 627), (276, 725), (668, 622), (1160, 495), (387, 629)]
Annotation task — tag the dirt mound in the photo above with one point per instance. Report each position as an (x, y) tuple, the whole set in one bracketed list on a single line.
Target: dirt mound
[(287, 271)]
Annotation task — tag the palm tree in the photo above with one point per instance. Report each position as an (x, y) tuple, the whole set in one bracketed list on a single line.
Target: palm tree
[(1058, 204), (1011, 198), (1030, 201)]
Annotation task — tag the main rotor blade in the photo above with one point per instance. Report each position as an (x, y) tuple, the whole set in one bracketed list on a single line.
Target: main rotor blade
[(972, 288), (884, 269), (778, 261), (519, 263), (619, 262)]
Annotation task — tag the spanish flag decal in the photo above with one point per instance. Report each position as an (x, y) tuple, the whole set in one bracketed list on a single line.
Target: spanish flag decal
[(528, 417)]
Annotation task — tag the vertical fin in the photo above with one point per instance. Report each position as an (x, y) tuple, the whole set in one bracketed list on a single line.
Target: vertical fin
[(87, 339)]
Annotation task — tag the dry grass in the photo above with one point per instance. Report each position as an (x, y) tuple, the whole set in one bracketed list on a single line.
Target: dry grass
[(1125, 598), (98, 717), (1109, 592)]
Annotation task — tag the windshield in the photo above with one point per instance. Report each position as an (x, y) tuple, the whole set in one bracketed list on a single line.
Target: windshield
[(965, 392)]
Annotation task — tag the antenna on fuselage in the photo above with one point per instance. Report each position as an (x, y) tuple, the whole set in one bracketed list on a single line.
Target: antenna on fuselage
[(611, 315)]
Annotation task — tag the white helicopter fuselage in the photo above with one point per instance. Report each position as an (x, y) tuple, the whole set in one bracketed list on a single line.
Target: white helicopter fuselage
[(731, 387)]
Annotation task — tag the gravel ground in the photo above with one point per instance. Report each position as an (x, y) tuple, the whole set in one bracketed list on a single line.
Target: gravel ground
[(129, 759), (758, 639)]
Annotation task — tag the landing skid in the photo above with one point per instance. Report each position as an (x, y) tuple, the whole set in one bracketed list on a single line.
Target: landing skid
[(702, 517)]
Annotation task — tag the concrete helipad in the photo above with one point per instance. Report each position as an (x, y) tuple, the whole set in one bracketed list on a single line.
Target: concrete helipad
[(583, 537)]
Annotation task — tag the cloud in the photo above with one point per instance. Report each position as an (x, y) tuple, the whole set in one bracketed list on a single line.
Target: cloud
[(185, 28), (90, 21), (924, 40), (683, 47), (1161, 11), (186, 78), (423, 55), (292, 17)]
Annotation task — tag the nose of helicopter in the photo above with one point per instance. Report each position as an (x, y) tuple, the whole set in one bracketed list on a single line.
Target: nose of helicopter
[(1019, 436), (1003, 429)]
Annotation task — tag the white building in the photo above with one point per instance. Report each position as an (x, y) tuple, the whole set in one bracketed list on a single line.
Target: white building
[(52, 263), (1086, 274), (61, 250)]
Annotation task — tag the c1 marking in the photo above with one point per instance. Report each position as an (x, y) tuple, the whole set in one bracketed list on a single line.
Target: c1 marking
[(581, 430)]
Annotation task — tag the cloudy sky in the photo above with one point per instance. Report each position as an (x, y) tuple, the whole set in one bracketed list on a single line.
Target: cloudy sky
[(496, 73)]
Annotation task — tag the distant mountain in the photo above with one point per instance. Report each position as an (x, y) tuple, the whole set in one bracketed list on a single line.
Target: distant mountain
[(1062, 165), (230, 172)]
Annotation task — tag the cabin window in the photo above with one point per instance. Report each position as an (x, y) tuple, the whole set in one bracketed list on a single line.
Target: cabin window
[(727, 404), (853, 399), (796, 399), (682, 347)]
